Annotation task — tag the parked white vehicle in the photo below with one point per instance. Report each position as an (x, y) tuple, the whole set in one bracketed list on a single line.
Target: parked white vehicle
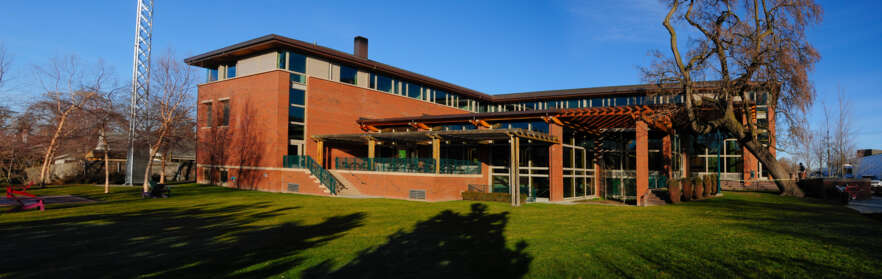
[(876, 186)]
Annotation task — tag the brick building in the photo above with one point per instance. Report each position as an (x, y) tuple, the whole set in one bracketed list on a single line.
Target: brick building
[(282, 115)]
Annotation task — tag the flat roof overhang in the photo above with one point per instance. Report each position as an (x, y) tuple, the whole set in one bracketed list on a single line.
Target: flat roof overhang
[(589, 120), (276, 42), (426, 136)]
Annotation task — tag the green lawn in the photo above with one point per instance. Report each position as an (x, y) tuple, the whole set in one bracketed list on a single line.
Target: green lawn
[(210, 232)]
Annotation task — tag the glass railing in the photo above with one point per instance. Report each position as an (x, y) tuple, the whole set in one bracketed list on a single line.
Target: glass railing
[(305, 162), (415, 165)]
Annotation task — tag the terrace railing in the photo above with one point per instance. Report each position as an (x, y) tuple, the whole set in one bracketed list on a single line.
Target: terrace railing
[(657, 181), (415, 165), (306, 162)]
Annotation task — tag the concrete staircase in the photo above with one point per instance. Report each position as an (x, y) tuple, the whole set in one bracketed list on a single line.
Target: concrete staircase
[(347, 189), (319, 183)]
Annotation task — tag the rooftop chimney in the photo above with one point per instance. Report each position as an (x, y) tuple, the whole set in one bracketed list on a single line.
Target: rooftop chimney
[(361, 47)]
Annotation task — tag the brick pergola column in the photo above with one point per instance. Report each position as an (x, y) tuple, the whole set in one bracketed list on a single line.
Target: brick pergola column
[(642, 162), (555, 164), (667, 156)]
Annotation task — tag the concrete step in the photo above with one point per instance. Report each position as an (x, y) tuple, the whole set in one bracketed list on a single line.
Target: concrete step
[(347, 189), (319, 182)]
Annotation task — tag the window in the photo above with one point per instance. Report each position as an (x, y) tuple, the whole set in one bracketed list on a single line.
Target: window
[(296, 96), (539, 126), (208, 114), (212, 74), (348, 75), (296, 119), (383, 83), (223, 176), (281, 60), (463, 104), (206, 174), (296, 62), (225, 118), (293, 150), (295, 131), (296, 114), (231, 71), (414, 91), (440, 97), (292, 61)]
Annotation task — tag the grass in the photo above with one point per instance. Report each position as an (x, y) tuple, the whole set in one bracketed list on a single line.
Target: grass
[(210, 232)]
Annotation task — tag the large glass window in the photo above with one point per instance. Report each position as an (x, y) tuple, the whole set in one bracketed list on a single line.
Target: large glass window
[(348, 75), (296, 114), (414, 91), (296, 62), (231, 71), (463, 103), (212, 74), (297, 96), (440, 97), (539, 126), (384, 83), (295, 131)]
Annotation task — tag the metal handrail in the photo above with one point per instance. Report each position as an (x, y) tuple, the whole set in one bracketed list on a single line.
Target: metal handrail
[(306, 162)]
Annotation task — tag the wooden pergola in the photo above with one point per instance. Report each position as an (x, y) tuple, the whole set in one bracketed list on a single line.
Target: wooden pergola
[(594, 120)]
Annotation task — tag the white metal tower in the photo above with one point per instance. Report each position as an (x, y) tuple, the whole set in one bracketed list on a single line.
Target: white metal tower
[(140, 80)]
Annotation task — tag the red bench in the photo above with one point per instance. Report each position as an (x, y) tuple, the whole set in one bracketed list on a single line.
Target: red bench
[(29, 201)]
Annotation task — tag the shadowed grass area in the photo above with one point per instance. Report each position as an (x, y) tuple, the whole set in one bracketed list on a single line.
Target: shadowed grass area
[(207, 232)]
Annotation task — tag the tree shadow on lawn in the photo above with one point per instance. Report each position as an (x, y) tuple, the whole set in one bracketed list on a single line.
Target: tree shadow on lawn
[(817, 221), (170, 242), (448, 245), (820, 224)]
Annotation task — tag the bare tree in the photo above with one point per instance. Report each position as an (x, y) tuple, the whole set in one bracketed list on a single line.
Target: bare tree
[(170, 103), (5, 63), (214, 144), (68, 89), (106, 116), (742, 47), (247, 145), (843, 145)]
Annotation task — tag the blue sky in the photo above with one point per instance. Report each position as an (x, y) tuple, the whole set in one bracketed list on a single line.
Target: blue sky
[(493, 47)]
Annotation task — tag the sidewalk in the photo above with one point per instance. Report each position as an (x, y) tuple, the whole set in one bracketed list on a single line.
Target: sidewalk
[(871, 206)]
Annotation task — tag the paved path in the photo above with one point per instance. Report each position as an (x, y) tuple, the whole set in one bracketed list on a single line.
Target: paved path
[(48, 200), (871, 206)]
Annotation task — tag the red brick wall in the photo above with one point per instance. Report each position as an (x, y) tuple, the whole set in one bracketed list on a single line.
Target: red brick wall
[(438, 188), (642, 151), (271, 180), (258, 120), (333, 108)]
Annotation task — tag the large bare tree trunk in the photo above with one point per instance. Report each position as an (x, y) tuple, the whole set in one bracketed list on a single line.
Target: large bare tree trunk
[(106, 171), (153, 152), (51, 149), (162, 173), (786, 186)]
